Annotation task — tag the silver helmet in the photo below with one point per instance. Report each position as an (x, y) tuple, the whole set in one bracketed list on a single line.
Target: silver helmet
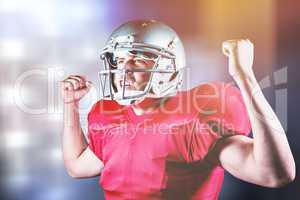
[(143, 37)]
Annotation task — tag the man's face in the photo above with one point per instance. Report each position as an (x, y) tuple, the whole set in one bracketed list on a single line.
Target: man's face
[(133, 61)]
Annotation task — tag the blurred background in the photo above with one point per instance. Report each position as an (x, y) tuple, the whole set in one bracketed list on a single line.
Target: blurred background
[(41, 42)]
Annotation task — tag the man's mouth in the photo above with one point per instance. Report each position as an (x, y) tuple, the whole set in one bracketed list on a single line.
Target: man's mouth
[(126, 84)]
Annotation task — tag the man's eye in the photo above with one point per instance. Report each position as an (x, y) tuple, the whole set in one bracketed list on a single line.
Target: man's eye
[(140, 61), (120, 61)]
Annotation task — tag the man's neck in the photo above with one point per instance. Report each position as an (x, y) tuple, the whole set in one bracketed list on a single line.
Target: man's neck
[(148, 105)]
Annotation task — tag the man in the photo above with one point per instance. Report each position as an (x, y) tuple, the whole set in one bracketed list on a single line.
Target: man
[(150, 141)]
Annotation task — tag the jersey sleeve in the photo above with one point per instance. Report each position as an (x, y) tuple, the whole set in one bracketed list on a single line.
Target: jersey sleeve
[(229, 116), (220, 106), (95, 131), (236, 116)]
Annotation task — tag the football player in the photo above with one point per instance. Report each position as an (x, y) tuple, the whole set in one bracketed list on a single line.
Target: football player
[(149, 140)]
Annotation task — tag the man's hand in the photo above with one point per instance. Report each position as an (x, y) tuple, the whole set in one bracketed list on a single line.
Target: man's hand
[(74, 87), (240, 57)]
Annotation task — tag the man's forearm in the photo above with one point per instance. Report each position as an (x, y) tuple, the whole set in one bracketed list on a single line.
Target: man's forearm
[(73, 140), (270, 146)]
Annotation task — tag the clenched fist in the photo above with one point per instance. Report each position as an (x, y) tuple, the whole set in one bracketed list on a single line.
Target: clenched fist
[(240, 56), (74, 87)]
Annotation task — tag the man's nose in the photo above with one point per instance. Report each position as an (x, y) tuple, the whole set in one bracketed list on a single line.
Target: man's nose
[(128, 64)]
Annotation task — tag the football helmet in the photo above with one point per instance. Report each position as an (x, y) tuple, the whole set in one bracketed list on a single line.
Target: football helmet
[(149, 40)]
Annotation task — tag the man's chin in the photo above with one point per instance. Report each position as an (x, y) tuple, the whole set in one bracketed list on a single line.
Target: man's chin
[(127, 93), (130, 89)]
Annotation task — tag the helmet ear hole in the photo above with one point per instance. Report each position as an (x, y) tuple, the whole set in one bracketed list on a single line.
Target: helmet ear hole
[(113, 83), (111, 61)]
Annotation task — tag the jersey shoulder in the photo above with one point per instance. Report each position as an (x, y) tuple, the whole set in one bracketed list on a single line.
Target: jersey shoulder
[(207, 96), (188, 104), (223, 103)]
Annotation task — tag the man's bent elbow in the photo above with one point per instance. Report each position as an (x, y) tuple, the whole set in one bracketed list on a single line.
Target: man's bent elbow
[(289, 176), (71, 169), (283, 180), (281, 183), (72, 173), (76, 171)]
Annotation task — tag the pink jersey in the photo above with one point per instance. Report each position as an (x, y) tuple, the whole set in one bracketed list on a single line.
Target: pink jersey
[(166, 154)]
